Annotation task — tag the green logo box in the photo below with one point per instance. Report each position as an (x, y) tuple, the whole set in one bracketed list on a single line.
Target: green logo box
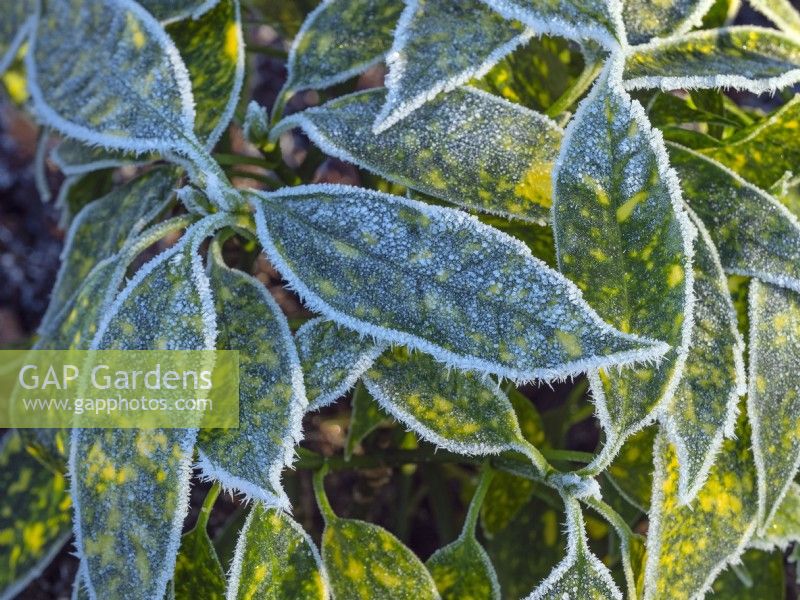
[(119, 389)]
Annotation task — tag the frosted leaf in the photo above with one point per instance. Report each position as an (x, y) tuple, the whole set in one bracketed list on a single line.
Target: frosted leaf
[(115, 472), (645, 20), (780, 12), (174, 10), (631, 473), (581, 574), (753, 232), (469, 148), (34, 515), (746, 58), (439, 45), (598, 20), (623, 237), (18, 21), (256, 124), (275, 558), (703, 409), (784, 527), (272, 398), (365, 561), (102, 228), (333, 358), (212, 48), (763, 153), (463, 571), (198, 571), (689, 545), (436, 280), (76, 158), (365, 416), (450, 408), (340, 39), (773, 402)]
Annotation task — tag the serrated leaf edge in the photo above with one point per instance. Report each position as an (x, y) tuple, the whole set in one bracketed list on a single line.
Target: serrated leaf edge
[(26, 29)]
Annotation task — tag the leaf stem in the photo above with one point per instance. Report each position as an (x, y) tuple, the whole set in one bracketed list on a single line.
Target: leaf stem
[(474, 510), (576, 90), (319, 493), (208, 505)]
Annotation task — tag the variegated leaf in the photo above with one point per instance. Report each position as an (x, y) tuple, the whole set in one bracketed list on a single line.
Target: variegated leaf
[(450, 408), (102, 228), (784, 527), (340, 39), (272, 399), (764, 152), (645, 20), (689, 545), (333, 358), (18, 21), (76, 158), (598, 20), (212, 48), (748, 58), (198, 572), (385, 266), (365, 561), (34, 515), (631, 473), (175, 10), (462, 570), (581, 574), (275, 558), (781, 12), (469, 148), (754, 233), (774, 394), (365, 417), (703, 409), (114, 473), (439, 45), (623, 237)]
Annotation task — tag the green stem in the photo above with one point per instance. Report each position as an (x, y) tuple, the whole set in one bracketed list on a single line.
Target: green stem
[(268, 51), (470, 522), (238, 159), (280, 105), (319, 493), (576, 90), (208, 504)]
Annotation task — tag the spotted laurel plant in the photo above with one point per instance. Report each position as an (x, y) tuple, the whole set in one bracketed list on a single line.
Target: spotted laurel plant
[(554, 190)]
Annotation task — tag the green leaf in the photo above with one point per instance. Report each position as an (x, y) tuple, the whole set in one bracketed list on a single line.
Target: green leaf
[(364, 561), (175, 10), (766, 578), (272, 399), (749, 58), (439, 45), (34, 515), (212, 48), (764, 152), (598, 20), (384, 266), (631, 473), (102, 228), (469, 148), (645, 20), (453, 409), (333, 358), (623, 237), (773, 403), (688, 545), (781, 12), (340, 39), (275, 558), (784, 527), (703, 409), (754, 233), (116, 472), (580, 574), (18, 22), (462, 569), (76, 158), (198, 572), (366, 416)]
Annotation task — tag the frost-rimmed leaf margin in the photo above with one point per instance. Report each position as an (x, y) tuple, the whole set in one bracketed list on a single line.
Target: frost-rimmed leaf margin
[(209, 471), (656, 349), (734, 81), (110, 161), (355, 370), (576, 543), (780, 12), (613, 71), (394, 111), (687, 492), (26, 28), (194, 9), (192, 238), (688, 22)]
